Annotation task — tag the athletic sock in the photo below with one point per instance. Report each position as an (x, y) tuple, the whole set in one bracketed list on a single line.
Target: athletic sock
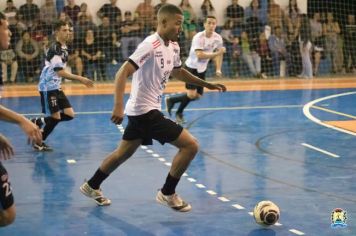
[(170, 185), (50, 124), (95, 181), (183, 104)]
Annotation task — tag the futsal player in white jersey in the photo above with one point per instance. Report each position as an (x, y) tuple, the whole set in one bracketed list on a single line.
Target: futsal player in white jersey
[(7, 204), (155, 59), (54, 102), (206, 45)]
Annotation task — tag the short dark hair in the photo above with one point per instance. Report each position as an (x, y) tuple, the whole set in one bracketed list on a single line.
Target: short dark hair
[(2, 17), (169, 9), (59, 24), (209, 17)]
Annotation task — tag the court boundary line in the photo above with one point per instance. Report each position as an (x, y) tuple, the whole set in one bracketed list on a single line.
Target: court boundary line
[(307, 112)]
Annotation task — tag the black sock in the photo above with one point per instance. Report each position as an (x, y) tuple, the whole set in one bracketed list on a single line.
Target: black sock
[(170, 185), (183, 104), (65, 117), (97, 179), (50, 124)]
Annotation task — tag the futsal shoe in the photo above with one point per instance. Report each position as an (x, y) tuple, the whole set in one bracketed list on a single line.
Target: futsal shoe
[(180, 119), (95, 194), (169, 105), (37, 121), (173, 201), (42, 147)]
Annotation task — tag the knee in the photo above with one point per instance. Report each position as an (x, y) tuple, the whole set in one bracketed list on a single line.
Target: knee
[(193, 147), (8, 217)]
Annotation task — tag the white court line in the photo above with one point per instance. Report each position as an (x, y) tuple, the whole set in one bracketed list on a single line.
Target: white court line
[(320, 150), (71, 161), (297, 232), (223, 199), (189, 109), (200, 186), (211, 192), (306, 111), (239, 207)]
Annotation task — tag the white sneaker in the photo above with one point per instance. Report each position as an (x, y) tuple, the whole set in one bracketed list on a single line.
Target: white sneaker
[(173, 201), (95, 194)]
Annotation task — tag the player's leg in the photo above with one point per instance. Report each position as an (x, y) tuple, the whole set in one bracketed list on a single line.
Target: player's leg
[(188, 147), (218, 60), (91, 188), (7, 205)]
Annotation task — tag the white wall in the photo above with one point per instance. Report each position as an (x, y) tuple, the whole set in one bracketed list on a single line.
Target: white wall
[(219, 5)]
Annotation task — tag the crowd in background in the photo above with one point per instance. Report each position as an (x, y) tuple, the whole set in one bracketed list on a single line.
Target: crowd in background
[(262, 40)]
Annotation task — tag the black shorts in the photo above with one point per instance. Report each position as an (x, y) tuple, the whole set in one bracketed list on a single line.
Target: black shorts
[(195, 72), (54, 101), (6, 197), (152, 125)]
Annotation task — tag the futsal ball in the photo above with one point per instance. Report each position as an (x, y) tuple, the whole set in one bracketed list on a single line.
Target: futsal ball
[(266, 213)]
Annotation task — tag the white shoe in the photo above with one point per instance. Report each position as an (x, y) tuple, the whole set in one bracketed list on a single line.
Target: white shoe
[(95, 194), (173, 201)]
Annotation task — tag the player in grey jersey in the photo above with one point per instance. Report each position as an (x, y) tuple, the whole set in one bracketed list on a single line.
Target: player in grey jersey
[(155, 59)]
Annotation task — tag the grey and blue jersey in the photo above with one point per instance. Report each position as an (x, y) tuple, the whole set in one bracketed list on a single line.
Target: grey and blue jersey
[(56, 59)]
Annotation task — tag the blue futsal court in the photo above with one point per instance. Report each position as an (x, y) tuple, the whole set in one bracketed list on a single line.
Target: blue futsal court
[(255, 145)]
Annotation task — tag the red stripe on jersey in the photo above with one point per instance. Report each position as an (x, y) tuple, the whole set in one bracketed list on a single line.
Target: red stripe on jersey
[(156, 42), (156, 46)]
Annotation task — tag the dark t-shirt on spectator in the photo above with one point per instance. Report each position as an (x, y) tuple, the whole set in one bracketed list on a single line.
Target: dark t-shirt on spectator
[(72, 12), (109, 11), (235, 11), (29, 12)]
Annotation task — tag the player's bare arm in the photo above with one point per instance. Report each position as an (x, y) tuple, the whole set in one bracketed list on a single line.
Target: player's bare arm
[(185, 76), (209, 55), (6, 150), (126, 70), (30, 129), (87, 82)]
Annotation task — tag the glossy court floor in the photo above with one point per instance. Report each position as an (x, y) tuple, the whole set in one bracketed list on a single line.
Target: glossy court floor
[(294, 147)]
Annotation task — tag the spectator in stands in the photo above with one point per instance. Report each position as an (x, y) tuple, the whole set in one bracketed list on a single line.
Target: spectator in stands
[(305, 48), (29, 12), (350, 44), (8, 58), (107, 41), (110, 10), (190, 19), (27, 51), (145, 13), (44, 47), (255, 10), (10, 12), (331, 30), (83, 25), (92, 57), (74, 59), (279, 54), (130, 39), (235, 12), (207, 9), (317, 41), (292, 16), (72, 10), (250, 56), (48, 13), (275, 15), (236, 56), (265, 54), (159, 5), (84, 11)]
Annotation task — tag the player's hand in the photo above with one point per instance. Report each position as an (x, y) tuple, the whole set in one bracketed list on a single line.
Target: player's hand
[(6, 150), (117, 115), (219, 87), (222, 50), (87, 82), (32, 131)]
